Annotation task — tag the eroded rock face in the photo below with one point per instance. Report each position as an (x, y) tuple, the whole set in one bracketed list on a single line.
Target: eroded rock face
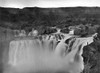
[(47, 54)]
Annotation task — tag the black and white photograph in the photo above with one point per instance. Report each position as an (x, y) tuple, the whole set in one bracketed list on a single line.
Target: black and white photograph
[(49, 36)]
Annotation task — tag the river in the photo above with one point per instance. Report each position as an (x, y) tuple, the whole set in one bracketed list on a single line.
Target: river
[(46, 55)]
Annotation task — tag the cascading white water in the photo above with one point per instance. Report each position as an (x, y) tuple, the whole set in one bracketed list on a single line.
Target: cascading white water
[(47, 55)]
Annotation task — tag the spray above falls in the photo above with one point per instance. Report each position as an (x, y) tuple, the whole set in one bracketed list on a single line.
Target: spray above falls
[(45, 53)]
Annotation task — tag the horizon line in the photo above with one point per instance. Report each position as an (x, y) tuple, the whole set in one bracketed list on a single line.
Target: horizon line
[(50, 7)]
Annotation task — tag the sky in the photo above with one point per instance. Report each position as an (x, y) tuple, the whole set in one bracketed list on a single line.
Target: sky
[(49, 3)]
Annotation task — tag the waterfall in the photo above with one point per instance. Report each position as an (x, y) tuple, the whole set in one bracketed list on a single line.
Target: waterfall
[(48, 54)]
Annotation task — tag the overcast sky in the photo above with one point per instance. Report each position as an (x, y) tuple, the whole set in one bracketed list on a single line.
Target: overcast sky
[(48, 3)]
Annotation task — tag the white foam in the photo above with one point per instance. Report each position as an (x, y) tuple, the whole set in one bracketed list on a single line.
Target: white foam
[(39, 55)]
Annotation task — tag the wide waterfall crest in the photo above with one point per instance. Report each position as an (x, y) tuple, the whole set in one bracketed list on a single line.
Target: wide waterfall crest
[(53, 52)]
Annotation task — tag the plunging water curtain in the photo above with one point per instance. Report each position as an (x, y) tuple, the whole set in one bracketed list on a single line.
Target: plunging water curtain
[(48, 54)]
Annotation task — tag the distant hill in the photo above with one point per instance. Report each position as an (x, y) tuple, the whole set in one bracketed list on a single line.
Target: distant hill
[(15, 18)]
